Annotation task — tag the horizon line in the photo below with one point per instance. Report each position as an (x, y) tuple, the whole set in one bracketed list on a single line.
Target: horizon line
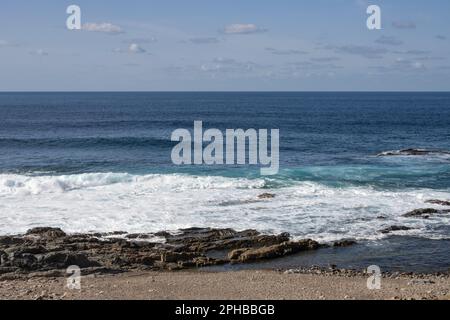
[(224, 91)]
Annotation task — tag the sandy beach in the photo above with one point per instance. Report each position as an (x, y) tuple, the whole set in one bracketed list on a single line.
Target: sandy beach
[(191, 264), (242, 285)]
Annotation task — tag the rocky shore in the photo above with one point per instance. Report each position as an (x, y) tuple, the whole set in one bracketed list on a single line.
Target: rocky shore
[(49, 251), (120, 265)]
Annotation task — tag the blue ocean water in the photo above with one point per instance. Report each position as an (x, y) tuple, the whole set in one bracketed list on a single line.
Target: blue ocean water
[(328, 137), (101, 161)]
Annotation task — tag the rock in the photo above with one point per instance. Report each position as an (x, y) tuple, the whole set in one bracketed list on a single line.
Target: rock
[(45, 232), (3, 257), (424, 212), (163, 234), (25, 261), (138, 236), (266, 196), (274, 251), (61, 260), (50, 250), (8, 241), (177, 257), (201, 240), (439, 202), (344, 243), (395, 228), (236, 253), (412, 152)]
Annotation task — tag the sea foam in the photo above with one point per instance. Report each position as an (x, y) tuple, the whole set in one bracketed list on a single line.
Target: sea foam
[(148, 203)]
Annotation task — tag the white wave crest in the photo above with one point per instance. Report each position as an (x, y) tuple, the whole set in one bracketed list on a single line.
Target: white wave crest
[(150, 203)]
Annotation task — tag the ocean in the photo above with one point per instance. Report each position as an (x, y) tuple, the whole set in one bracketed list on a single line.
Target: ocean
[(101, 162)]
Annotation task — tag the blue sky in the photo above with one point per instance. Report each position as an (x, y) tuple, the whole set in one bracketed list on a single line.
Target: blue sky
[(298, 45)]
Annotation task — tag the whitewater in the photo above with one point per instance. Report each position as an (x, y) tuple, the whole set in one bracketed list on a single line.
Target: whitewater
[(101, 202)]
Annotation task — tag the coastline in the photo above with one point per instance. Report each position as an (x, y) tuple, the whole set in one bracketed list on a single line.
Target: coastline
[(241, 285), (195, 263)]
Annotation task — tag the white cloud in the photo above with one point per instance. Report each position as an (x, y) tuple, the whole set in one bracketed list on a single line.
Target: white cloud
[(105, 27), (135, 48), (238, 28), (5, 43), (363, 51), (286, 52), (204, 40), (389, 40), (39, 52), (141, 40), (404, 25)]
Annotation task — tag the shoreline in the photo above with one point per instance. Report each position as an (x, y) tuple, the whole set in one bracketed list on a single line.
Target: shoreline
[(48, 250), (192, 264), (240, 285)]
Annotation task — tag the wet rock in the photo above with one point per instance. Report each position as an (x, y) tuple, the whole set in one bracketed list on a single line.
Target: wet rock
[(25, 261), (274, 251), (8, 241), (395, 228), (177, 257), (412, 152), (266, 196), (425, 212), (61, 260), (163, 234), (202, 240), (439, 202), (46, 232), (344, 243), (236, 253), (207, 261), (3, 257), (138, 236), (47, 249)]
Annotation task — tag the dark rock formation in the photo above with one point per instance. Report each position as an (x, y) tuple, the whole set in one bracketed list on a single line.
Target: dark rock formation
[(273, 251), (344, 243), (412, 152), (425, 213), (439, 202), (51, 250), (266, 196), (395, 228), (47, 233)]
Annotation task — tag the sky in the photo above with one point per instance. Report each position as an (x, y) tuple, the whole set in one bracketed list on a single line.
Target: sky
[(207, 45)]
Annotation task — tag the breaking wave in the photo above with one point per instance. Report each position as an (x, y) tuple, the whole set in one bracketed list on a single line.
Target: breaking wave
[(148, 203)]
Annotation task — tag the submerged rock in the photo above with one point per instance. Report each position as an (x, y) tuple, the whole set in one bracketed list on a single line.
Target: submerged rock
[(425, 213), (45, 232), (266, 196), (439, 202), (344, 243), (412, 152), (395, 228)]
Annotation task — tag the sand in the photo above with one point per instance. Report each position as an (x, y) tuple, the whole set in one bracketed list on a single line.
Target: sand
[(240, 285)]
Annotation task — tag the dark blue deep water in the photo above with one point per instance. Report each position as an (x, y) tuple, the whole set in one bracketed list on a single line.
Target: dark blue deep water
[(331, 137)]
